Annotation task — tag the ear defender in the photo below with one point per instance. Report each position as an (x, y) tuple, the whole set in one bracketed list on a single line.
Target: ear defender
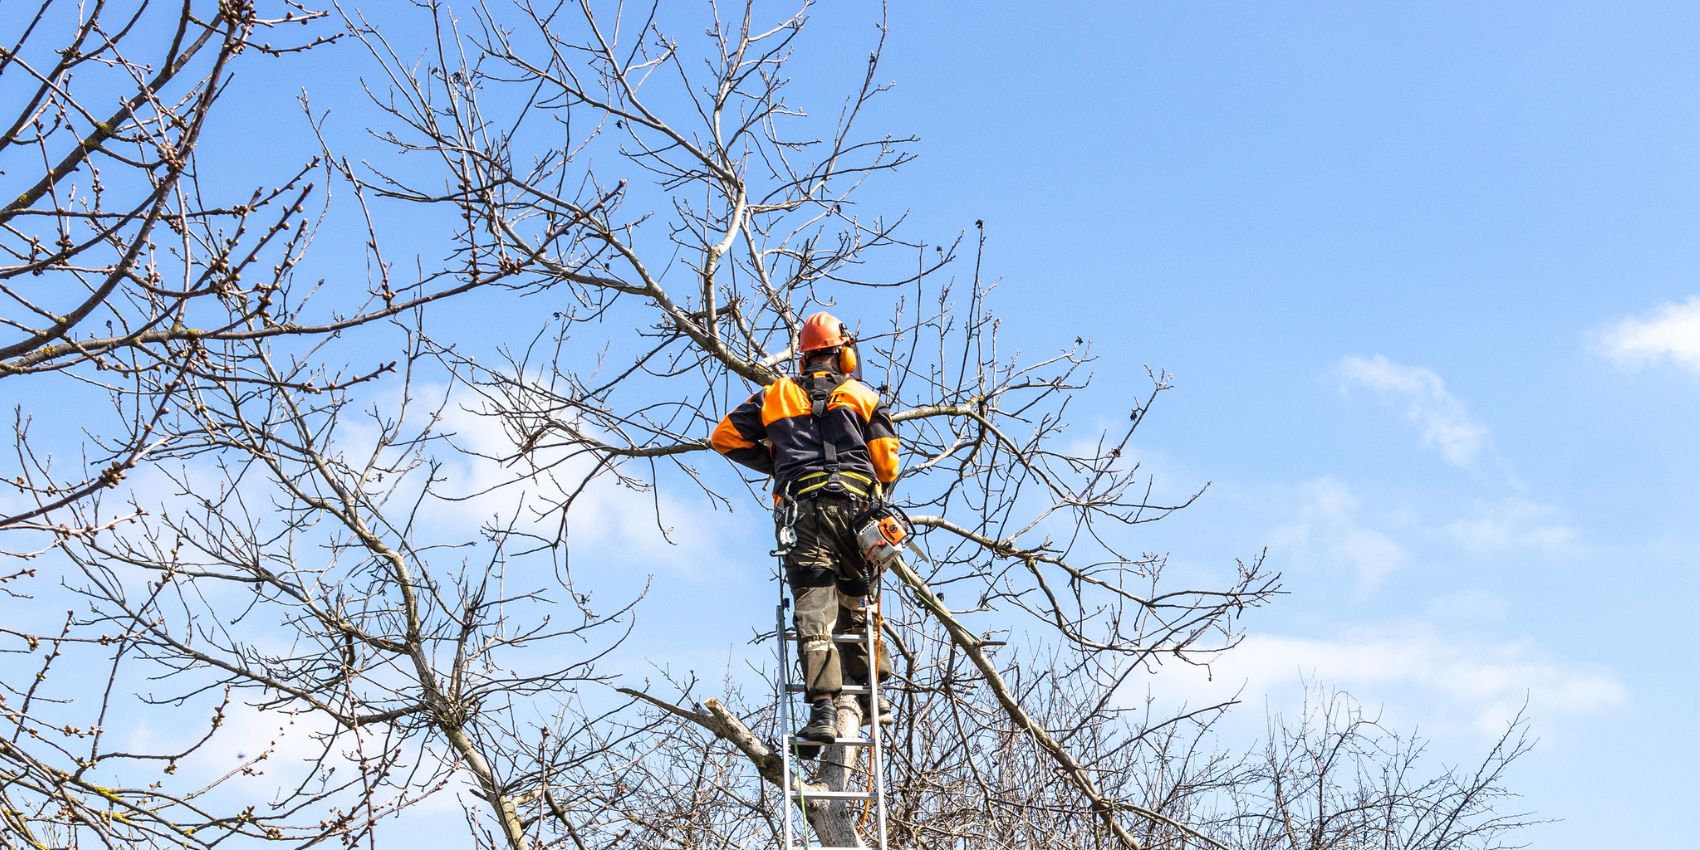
[(847, 359)]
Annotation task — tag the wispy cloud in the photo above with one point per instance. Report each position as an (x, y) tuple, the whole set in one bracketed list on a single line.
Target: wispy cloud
[(1417, 671), (653, 528), (1484, 683), (1441, 418), (1512, 524), (1671, 332), (1325, 526), (1329, 531), (1468, 605)]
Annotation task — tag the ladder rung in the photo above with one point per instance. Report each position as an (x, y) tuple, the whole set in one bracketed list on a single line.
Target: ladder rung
[(842, 742), (832, 795), (853, 690), (841, 637)]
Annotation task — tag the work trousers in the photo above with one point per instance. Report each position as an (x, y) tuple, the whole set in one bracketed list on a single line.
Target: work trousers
[(830, 583)]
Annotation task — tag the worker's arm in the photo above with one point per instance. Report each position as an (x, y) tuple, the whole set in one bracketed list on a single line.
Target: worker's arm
[(739, 436)]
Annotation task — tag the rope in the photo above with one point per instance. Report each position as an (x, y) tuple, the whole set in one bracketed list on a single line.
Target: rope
[(799, 781), (873, 706)]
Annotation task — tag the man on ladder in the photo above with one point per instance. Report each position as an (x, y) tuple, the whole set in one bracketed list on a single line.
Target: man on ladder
[(828, 441)]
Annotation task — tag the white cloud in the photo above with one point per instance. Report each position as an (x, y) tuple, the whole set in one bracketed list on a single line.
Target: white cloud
[(256, 752), (1470, 605), (1440, 417), (1325, 529), (664, 530), (1330, 532), (1512, 524), (1417, 673), (257, 756), (1670, 333)]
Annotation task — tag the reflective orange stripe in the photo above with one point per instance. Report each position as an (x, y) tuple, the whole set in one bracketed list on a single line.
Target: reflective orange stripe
[(883, 452), (726, 438), (784, 400), (858, 397)]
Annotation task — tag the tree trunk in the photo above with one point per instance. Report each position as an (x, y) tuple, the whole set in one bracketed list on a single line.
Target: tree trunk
[(834, 821), (840, 769), (512, 828)]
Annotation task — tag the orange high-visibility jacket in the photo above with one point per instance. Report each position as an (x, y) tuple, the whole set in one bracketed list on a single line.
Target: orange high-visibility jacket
[(852, 421)]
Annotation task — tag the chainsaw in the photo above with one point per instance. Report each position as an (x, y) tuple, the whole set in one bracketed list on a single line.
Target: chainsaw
[(883, 533)]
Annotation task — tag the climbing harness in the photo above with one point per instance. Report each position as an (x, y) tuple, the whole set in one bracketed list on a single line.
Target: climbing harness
[(830, 478)]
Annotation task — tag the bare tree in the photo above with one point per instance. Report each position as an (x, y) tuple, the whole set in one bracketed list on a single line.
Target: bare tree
[(116, 270), (1337, 777), (136, 279), (125, 264), (415, 645), (758, 224), (666, 209)]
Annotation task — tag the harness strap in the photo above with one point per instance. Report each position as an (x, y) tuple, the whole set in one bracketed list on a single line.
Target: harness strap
[(821, 387), (831, 477), (843, 480)]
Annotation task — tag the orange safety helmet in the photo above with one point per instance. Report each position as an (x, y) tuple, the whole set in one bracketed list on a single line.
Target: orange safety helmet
[(823, 330)]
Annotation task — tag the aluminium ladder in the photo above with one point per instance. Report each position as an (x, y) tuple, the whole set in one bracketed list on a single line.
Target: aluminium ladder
[(795, 796)]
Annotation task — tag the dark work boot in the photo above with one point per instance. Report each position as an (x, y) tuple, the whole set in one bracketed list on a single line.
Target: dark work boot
[(823, 723), (885, 716), (804, 749)]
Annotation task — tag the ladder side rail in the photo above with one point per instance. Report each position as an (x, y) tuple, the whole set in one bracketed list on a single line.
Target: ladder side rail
[(876, 749), (784, 689)]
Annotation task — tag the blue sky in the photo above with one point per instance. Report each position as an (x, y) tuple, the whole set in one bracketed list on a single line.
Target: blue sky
[(1423, 274), (1426, 277)]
